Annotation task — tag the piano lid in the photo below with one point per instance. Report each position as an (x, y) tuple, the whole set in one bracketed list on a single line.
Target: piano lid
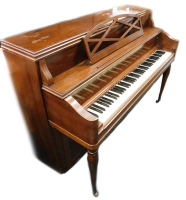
[(53, 37)]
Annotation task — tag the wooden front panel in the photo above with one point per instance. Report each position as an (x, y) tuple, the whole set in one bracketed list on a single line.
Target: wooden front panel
[(66, 59), (68, 151)]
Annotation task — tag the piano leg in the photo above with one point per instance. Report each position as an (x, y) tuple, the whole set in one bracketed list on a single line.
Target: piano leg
[(92, 163), (164, 80)]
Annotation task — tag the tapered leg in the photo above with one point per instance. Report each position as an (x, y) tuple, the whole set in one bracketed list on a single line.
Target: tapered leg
[(92, 163), (164, 80)]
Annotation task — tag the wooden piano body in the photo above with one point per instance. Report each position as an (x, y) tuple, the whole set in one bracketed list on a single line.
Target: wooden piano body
[(52, 66)]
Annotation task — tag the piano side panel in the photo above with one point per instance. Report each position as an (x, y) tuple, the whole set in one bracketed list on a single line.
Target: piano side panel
[(25, 77)]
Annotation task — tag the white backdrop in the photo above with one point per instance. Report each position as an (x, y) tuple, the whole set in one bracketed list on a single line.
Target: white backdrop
[(148, 155)]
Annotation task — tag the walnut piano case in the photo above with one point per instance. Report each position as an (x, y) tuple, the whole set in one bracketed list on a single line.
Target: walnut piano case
[(69, 74)]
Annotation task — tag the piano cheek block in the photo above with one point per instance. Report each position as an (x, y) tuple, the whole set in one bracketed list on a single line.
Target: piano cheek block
[(69, 117)]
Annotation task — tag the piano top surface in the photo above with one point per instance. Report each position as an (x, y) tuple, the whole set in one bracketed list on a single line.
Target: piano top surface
[(39, 39)]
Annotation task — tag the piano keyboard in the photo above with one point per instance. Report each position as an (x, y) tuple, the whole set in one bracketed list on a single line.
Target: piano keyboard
[(119, 96)]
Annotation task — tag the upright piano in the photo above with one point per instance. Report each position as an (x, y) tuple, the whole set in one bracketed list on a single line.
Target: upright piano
[(78, 79)]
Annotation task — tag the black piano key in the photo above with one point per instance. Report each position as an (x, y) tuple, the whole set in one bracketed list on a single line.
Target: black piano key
[(97, 110), (117, 91), (132, 79), (101, 103), (115, 95), (157, 55), (124, 84), (134, 75), (127, 79), (148, 64), (139, 71), (98, 107), (107, 99), (153, 57), (143, 67), (107, 102), (160, 52), (111, 96), (93, 113), (152, 61), (119, 88)]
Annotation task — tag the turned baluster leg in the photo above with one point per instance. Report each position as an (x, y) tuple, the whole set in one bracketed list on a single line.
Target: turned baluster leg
[(164, 80), (92, 163)]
